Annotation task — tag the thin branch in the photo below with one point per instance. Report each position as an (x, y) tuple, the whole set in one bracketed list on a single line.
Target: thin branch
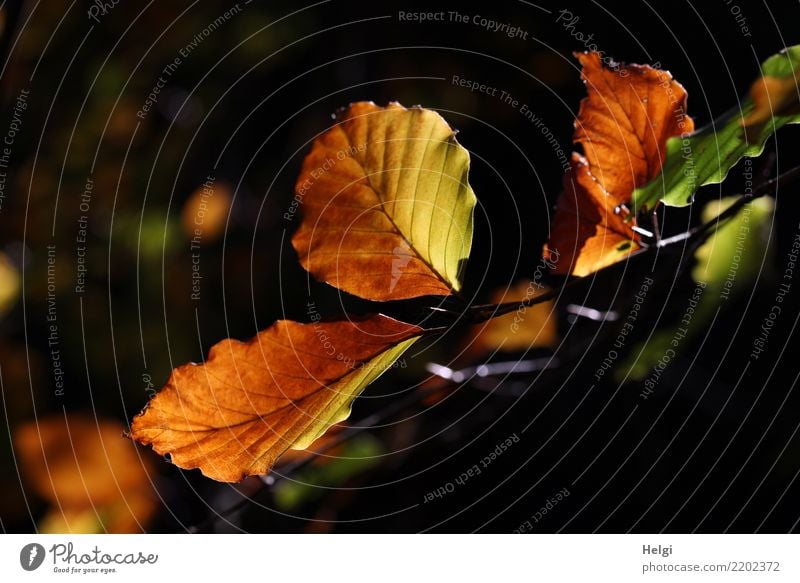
[(484, 312), (481, 313), (367, 423), (269, 480), (492, 369), (757, 192), (487, 312)]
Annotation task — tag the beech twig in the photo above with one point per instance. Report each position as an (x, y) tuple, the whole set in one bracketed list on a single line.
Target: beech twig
[(484, 312)]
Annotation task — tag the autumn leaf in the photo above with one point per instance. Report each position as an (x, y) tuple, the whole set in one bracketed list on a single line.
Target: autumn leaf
[(526, 328), (707, 155), (622, 126), (10, 283), (772, 97), (205, 213), (251, 401), (311, 454), (625, 121), (587, 232), (90, 474), (387, 209)]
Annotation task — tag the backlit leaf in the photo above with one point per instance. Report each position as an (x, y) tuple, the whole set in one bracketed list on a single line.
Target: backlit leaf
[(625, 121), (236, 414), (10, 283), (526, 328), (206, 211), (706, 156), (92, 477), (727, 264), (387, 209), (587, 233), (733, 256), (330, 470), (772, 97), (623, 126)]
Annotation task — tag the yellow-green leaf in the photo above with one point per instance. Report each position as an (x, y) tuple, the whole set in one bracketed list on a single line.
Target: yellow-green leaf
[(386, 205), (727, 264)]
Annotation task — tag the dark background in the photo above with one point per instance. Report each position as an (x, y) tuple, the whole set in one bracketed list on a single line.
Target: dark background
[(714, 449)]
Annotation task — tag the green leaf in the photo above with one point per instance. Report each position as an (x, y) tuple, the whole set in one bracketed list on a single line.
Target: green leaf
[(355, 456), (707, 155), (727, 264), (735, 253)]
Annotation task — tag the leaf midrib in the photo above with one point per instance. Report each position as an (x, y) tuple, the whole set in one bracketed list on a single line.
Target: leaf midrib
[(383, 202)]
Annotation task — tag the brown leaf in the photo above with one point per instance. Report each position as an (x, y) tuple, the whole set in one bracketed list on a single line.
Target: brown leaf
[(10, 283), (623, 126), (625, 121), (92, 476), (587, 233), (528, 327), (772, 97), (205, 212), (251, 401), (387, 209)]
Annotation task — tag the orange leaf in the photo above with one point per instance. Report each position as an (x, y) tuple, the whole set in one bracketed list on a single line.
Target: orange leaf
[(251, 401), (206, 211), (387, 209), (587, 233), (527, 328), (623, 126), (625, 121), (90, 474), (772, 97)]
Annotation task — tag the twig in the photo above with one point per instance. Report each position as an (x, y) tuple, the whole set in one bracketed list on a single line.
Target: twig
[(757, 192), (484, 312), (269, 480), (476, 375), (367, 423)]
